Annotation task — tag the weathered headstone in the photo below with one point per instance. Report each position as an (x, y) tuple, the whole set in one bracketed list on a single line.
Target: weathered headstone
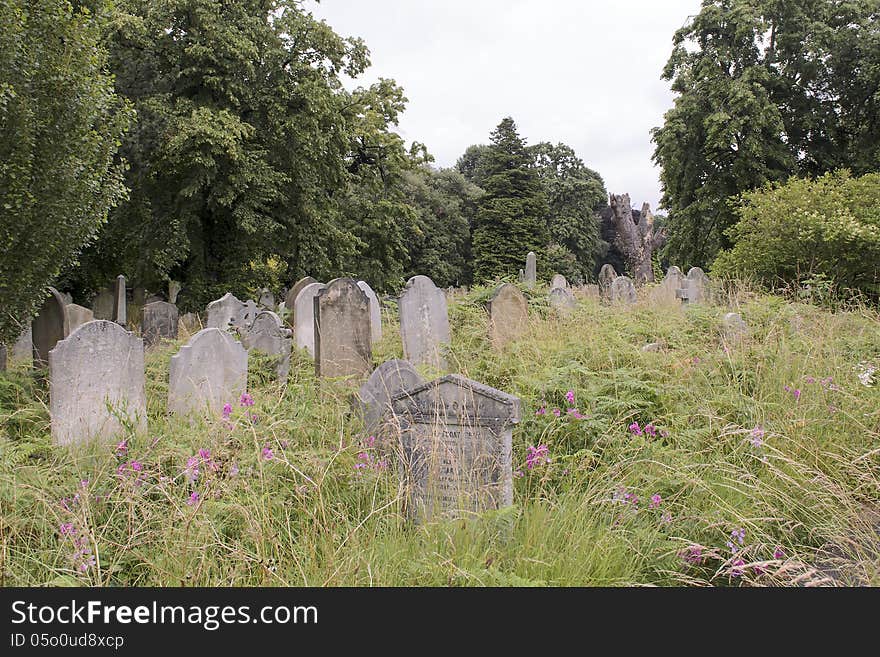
[(267, 299), (98, 365), (23, 349), (191, 323), (561, 299), (698, 285), (734, 327), (290, 299), (68, 298), (160, 322), (606, 278), (77, 316), (120, 315), (102, 305), (424, 322), (665, 292), (228, 312), (342, 330), (558, 280), (456, 446), (174, 288), (208, 372), (375, 311), (531, 273), (389, 379), (49, 326), (508, 314), (304, 317), (269, 335), (623, 290)]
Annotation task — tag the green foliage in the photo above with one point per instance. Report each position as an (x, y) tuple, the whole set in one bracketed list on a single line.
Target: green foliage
[(826, 229), (766, 89), (60, 125), (512, 214)]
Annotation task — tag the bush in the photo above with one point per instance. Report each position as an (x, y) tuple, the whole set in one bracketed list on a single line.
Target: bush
[(826, 228)]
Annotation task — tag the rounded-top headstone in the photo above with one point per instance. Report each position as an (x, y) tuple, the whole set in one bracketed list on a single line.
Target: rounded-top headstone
[(558, 280), (303, 311), (209, 371), (562, 299), (508, 314), (269, 335), (48, 327), (99, 363), (342, 330), (375, 311), (290, 299), (389, 379), (734, 327), (160, 322), (606, 278), (424, 322), (623, 290), (697, 285)]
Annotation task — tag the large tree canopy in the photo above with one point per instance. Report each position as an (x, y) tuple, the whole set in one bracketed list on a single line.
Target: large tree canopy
[(766, 89), (60, 125)]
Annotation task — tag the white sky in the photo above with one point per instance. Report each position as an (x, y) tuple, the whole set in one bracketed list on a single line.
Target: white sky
[(583, 72)]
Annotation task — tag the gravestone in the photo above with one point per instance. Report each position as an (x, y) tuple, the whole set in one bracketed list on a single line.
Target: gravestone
[(209, 371), (342, 330), (68, 298), (228, 312), (48, 327), (120, 315), (561, 299), (153, 298), (508, 314), (23, 349), (97, 365), (666, 291), (375, 311), (590, 291), (269, 335), (102, 305), (191, 323), (623, 290), (267, 299), (558, 280), (77, 316), (695, 287), (734, 327), (173, 290), (606, 278), (521, 277), (2, 357), (159, 322), (290, 299), (424, 322), (391, 378), (304, 317), (531, 273), (455, 446)]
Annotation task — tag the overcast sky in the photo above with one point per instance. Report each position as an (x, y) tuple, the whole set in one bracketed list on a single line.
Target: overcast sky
[(583, 72)]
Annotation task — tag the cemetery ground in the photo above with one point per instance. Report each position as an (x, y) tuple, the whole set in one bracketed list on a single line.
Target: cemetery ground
[(703, 460)]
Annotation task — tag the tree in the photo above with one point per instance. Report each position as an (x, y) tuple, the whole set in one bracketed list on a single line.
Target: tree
[(766, 89), (512, 214), (635, 241), (60, 125)]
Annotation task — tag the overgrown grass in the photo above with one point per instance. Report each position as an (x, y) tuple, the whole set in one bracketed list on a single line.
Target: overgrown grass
[(807, 489)]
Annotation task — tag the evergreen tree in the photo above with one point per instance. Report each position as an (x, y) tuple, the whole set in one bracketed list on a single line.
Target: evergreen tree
[(512, 214)]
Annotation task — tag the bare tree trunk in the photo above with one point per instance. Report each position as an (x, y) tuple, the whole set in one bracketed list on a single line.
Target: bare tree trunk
[(636, 242)]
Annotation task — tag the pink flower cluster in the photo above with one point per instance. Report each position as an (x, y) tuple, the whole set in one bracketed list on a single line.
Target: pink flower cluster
[(82, 556), (572, 411), (536, 456), (648, 430)]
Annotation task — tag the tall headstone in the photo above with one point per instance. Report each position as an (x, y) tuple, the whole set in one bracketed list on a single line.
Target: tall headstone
[(267, 299), (375, 311), (508, 314), (174, 288), (623, 290), (531, 273), (304, 317), (209, 371), (49, 326), (290, 299), (562, 299), (558, 280), (389, 379), (606, 278), (98, 365), (456, 446), (160, 322), (77, 316), (424, 322), (269, 335), (102, 305), (120, 313), (342, 330), (666, 291)]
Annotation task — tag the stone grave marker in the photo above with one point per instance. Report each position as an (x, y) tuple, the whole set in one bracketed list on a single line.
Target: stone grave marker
[(606, 278), (391, 378), (174, 288), (97, 365), (2, 357), (120, 314), (290, 299), (562, 299), (48, 327), (102, 305), (304, 317), (734, 327), (508, 314), (558, 280), (228, 312), (623, 290), (209, 371), (531, 273), (160, 322), (342, 330), (665, 292), (23, 349), (267, 299), (695, 287), (424, 322), (77, 316), (455, 446), (375, 311), (269, 335)]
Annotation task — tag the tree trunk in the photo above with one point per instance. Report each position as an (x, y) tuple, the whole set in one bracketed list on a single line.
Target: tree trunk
[(636, 242)]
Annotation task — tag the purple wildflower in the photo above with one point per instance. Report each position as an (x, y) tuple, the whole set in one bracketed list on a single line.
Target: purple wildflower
[(541, 411), (635, 429), (737, 570), (227, 410), (757, 438), (267, 452), (193, 499), (233, 470), (246, 400), (537, 456), (656, 501), (651, 430), (778, 553), (557, 412), (570, 396)]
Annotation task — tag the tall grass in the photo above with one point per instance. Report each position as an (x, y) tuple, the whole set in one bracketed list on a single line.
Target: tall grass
[(280, 501)]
